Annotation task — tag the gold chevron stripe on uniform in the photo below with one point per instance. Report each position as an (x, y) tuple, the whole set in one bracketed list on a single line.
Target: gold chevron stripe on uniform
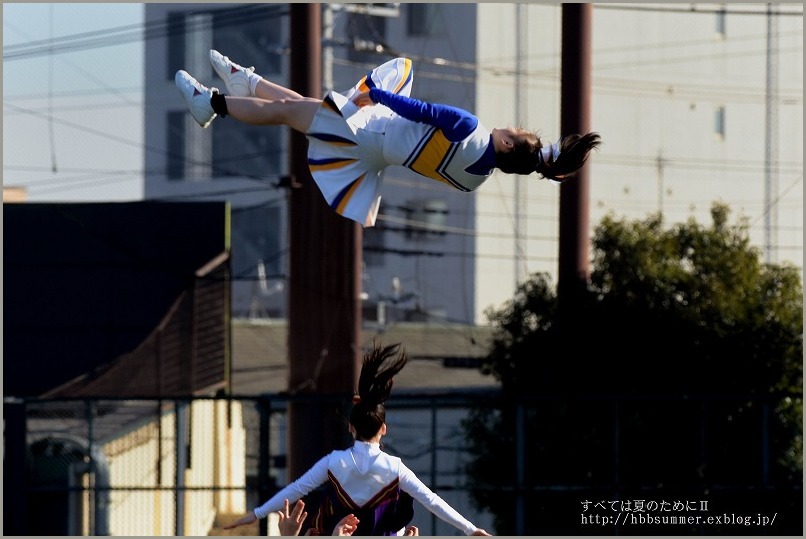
[(431, 156)]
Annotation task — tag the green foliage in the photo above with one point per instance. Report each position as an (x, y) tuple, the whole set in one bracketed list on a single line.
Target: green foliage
[(680, 326)]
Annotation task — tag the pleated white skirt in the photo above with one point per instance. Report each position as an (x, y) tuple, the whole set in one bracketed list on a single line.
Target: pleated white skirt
[(345, 143)]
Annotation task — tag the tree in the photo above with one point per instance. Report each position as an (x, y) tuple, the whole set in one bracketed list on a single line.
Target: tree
[(679, 375)]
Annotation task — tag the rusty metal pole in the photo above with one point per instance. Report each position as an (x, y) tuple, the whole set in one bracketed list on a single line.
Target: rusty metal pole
[(324, 309), (574, 265)]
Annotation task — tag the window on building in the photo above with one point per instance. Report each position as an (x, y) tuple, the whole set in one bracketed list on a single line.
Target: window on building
[(255, 230), (254, 32), (424, 19), (427, 219), (719, 123), (721, 22), (374, 242), (248, 150), (365, 32), (252, 35), (176, 43), (175, 137)]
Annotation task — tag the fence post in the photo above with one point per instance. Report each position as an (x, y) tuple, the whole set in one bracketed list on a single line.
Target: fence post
[(181, 428), (90, 404), (520, 468), (15, 478), (765, 443), (433, 458), (263, 456), (617, 446)]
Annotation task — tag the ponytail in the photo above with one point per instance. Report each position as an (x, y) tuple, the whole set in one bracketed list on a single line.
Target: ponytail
[(381, 364), (566, 157)]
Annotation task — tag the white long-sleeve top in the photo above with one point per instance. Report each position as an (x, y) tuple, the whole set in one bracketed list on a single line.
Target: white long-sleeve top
[(363, 471)]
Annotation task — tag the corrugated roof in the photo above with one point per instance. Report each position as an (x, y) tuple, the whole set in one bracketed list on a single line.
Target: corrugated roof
[(441, 356)]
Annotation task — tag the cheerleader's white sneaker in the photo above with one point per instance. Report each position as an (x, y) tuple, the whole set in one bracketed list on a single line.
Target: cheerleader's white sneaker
[(234, 76), (197, 96)]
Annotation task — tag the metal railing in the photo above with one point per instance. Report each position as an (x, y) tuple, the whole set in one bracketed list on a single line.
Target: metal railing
[(185, 466)]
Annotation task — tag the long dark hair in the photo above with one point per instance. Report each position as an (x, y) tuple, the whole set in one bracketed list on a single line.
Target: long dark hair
[(381, 364), (525, 156)]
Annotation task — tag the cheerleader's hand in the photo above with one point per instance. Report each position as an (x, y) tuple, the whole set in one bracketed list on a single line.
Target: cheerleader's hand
[(363, 100), (246, 519), (290, 522), (479, 531), (346, 526)]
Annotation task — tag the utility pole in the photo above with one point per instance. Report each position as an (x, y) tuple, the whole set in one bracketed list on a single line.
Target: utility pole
[(771, 141), (328, 21), (660, 164), (574, 267), (324, 310), (521, 101)]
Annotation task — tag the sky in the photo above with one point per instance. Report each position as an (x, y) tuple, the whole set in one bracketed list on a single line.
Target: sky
[(72, 121)]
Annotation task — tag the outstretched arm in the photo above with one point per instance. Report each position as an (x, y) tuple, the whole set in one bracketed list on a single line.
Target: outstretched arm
[(296, 490), (410, 484), (248, 518), (456, 123)]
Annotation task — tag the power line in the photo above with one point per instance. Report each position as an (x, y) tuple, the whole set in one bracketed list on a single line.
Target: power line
[(109, 136), (437, 62), (224, 17), (48, 47), (695, 9)]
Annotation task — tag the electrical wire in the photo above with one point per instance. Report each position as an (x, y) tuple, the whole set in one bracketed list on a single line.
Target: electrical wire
[(434, 75), (224, 17), (695, 9)]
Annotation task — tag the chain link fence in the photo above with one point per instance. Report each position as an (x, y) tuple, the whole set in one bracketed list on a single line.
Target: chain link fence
[(188, 466)]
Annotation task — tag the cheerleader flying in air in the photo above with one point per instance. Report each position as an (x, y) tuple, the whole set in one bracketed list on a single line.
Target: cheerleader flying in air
[(354, 135), (363, 480)]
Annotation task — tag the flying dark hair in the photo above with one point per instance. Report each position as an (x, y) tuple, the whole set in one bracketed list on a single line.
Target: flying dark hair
[(526, 157), (381, 364)]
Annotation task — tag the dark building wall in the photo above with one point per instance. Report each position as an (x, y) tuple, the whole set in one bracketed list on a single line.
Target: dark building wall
[(230, 161), (85, 283), (242, 164)]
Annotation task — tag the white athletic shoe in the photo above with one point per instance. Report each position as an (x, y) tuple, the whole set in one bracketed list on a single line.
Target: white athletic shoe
[(197, 96), (234, 76)]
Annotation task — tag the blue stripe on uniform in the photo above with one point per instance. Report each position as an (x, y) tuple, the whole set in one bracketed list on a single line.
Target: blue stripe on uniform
[(327, 137)]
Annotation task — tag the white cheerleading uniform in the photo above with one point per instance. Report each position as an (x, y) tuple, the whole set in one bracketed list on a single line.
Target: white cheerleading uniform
[(350, 146), (363, 476)]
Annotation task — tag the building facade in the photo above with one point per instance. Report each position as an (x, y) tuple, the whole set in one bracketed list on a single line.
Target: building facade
[(695, 106)]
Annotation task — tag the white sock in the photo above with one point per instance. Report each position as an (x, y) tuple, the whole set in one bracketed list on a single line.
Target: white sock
[(254, 79)]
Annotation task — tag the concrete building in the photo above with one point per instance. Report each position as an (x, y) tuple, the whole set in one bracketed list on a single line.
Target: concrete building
[(680, 96)]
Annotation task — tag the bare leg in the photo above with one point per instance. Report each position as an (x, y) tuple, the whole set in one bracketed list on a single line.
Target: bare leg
[(295, 113), (239, 80), (266, 89)]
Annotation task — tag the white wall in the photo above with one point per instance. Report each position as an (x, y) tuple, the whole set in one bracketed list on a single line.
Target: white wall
[(658, 78)]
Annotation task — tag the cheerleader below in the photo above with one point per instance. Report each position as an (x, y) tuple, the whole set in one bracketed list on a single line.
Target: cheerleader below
[(364, 481)]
